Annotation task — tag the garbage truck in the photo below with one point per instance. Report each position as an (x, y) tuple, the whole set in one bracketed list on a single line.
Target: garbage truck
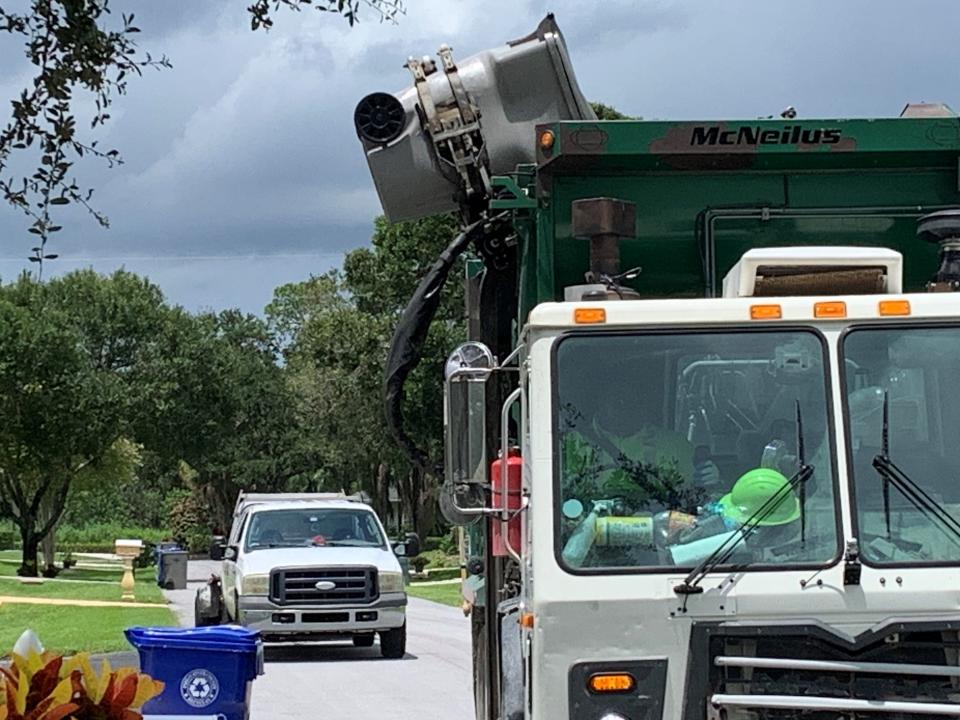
[(701, 435)]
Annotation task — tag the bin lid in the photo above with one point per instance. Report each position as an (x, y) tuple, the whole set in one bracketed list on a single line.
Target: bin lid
[(224, 638)]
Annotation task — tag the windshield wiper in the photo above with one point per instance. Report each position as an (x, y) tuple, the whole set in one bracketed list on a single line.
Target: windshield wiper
[(894, 476), (691, 583)]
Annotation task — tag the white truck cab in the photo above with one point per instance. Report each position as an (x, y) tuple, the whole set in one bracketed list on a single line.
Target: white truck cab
[(314, 567), (740, 507)]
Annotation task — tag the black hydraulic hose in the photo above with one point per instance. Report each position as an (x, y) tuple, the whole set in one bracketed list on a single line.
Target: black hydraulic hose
[(406, 347)]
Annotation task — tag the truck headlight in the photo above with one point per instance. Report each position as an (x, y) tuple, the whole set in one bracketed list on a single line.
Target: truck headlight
[(391, 582), (255, 585)]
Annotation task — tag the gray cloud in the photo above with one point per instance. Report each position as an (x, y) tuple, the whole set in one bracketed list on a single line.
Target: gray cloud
[(247, 147)]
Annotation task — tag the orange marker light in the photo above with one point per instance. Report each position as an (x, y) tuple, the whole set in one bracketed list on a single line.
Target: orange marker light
[(828, 310), (765, 312), (547, 139), (611, 683), (526, 621), (894, 307), (589, 316)]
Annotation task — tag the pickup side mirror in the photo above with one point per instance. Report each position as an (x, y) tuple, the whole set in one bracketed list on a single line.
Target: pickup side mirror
[(218, 547), (400, 549), (230, 553)]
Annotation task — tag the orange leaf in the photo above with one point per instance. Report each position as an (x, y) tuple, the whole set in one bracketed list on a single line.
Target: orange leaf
[(107, 690), (37, 712), (11, 677), (61, 712), (126, 691), (44, 682), (79, 691)]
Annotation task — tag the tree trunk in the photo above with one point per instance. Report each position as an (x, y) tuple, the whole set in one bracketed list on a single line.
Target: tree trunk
[(428, 506), (30, 542), (48, 542), (48, 547)]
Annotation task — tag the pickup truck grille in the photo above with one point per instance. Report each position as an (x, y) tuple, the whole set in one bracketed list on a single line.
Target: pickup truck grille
[(351, 585)]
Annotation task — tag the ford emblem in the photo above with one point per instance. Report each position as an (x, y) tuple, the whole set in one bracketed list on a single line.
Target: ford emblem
[(325, 585)]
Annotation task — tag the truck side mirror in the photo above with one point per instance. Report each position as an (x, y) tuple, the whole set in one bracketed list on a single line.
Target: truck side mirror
[(465, 407), (230, 553)]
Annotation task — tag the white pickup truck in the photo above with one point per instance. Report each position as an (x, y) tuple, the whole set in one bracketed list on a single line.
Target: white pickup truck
[(310, 566)]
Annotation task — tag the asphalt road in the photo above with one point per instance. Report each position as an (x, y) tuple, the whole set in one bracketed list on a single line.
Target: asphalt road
[(337, 680)]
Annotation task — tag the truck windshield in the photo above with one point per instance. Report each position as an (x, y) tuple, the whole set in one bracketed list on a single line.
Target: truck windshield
[(313, 528), (910, 371), (667, 442)]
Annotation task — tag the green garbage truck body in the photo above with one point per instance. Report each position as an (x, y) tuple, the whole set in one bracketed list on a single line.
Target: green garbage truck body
[(702, 437)]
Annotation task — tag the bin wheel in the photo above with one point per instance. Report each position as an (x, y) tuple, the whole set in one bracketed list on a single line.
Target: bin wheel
[(363, 640), (393, 643)]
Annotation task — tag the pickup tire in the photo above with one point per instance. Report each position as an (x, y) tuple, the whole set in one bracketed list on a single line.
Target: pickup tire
[(365, 640), (393, 643)]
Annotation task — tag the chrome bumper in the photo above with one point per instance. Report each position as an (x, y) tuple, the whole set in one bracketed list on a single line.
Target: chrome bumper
[(258, 613)]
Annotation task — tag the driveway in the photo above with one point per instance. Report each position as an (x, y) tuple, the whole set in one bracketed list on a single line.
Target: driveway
[(337, 680)]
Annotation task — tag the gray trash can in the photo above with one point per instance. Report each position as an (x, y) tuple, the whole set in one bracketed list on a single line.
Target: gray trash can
[(172, 569)]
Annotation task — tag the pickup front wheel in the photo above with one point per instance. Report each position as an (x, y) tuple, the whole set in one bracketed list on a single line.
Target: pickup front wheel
[(393, 643)]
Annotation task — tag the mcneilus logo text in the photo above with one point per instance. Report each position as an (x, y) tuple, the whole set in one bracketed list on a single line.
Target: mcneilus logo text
[(713, 135)]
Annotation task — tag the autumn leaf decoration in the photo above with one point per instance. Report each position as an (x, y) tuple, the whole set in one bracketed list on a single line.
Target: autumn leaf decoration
[(49, 687)]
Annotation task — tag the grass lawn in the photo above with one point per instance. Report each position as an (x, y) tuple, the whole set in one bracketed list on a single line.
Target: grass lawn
[(72, 629), (447, 594), (107, 589)]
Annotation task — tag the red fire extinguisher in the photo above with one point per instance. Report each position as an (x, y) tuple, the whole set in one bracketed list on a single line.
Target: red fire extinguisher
[(514, 490)]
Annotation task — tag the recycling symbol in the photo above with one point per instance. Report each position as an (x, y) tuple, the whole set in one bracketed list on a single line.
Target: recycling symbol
[(199, 688)]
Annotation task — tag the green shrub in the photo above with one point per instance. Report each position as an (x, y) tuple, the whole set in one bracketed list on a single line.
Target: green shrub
[(190, 524), (438, 558), (430, 543), (419, 563), (448, 544), (9, 537), (102, 536)]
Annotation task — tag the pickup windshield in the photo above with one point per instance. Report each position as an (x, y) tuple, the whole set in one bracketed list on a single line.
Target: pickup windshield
[(667, 442), (910, 371), (337, 527)]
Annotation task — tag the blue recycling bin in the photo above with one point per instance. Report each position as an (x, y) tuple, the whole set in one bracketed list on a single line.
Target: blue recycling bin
[(207, 672)]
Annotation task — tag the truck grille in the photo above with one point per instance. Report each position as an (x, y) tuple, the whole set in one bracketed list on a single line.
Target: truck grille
[(781, 677), (351, 585)]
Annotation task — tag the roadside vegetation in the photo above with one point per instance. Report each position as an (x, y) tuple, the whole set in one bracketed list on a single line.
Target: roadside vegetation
[(446, 594), (69, 630)]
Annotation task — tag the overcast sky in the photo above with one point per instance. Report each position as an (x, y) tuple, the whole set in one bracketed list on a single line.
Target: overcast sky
[(243, 171)]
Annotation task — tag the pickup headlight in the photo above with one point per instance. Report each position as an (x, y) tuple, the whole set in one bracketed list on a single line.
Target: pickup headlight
[(255, 585), (391, 582)]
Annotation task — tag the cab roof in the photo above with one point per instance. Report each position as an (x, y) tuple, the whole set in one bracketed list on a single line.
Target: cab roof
[(700, 311)]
